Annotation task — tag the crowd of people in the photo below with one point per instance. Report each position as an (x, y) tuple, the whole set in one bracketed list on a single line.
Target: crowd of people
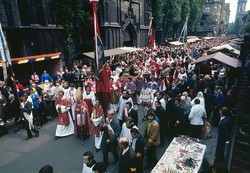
[(177, 99)]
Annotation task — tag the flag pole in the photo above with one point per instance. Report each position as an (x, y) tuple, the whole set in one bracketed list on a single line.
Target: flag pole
[(97, 71), (6, 61)]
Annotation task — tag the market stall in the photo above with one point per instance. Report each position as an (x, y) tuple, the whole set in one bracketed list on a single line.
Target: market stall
[(183, 155)]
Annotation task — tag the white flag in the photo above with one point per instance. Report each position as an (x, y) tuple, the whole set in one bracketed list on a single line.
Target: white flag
[(4, 53)]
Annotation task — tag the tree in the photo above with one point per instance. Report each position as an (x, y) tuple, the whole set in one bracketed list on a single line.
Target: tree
[(195, 14), (69, 14), (157, 13)]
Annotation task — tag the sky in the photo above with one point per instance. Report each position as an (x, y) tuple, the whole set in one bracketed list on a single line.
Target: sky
[(233, 8)]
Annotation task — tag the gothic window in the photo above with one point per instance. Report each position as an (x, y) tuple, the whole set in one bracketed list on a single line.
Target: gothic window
[(37, 13)]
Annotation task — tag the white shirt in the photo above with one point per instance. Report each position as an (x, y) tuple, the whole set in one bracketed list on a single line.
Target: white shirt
[(87, 169), (133, 143), (196, 114), (125, 150), (222, 118)]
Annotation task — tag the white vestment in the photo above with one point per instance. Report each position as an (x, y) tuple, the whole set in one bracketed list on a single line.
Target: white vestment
[(62, 130), (122, 106)]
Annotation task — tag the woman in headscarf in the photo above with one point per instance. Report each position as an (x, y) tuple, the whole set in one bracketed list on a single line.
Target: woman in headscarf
[(200, 97)]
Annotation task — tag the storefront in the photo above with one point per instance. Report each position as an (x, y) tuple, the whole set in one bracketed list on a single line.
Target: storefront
[(24, 67)]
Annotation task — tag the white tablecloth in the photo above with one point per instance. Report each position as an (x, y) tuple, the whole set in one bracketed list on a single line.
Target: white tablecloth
[(182, 156)]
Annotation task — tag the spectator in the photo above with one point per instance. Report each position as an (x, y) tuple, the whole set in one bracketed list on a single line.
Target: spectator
[(161, 114), (138, 144), (127, 160), (35, 77), (196, 116), (152, 136), (45, 76), (224, 133)]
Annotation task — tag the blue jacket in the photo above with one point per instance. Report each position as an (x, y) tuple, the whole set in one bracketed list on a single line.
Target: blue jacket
[(45, 77), (219, 99)]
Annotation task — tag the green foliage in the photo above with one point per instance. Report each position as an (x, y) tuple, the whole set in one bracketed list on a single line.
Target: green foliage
[(157, 12), (195, 14), (68, 13), (176, 11)]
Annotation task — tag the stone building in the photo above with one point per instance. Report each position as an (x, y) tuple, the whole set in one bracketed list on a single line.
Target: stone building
[(124, 22), (240, 9), (30, 27), (215, 18)]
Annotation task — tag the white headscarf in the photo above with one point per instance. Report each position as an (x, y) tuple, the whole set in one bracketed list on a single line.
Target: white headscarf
[(201, 98)]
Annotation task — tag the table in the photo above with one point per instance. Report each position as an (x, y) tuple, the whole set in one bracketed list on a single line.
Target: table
[(183, 155)]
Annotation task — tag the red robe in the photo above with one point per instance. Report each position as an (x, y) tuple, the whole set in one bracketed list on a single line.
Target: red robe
[(80, 108), (98, 114), (63, 118)]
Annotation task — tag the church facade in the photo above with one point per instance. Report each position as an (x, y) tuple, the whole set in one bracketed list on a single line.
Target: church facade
[(124, 22)]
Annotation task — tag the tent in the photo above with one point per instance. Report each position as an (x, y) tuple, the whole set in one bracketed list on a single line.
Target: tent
[(227, 47), (24, 66), (233, 62), (192, 39), (112, 52), (208, 38), (176, 43)]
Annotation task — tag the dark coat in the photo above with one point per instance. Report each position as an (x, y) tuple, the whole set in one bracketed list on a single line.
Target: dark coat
[(161, 114), (224, 133), (169, 108), (113, 139), (127, 161), (139, 146), (14, 108), (27, 107), (133, 114)]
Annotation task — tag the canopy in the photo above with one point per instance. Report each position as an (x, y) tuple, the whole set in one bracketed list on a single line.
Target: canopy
[(227, 47), (208, 38), (233, 62), (176, 43), (27, 59), (192, 40), (112, 52)]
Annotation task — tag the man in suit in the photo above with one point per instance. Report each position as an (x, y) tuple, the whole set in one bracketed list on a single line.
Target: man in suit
[(138, 145), (132, 113), (224, 133), (152, 136), (26, 112), (13, 109), (127, 160), (161, 114), (109, 140)]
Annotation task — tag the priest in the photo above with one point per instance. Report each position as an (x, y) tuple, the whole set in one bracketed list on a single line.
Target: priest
[(65, 126)]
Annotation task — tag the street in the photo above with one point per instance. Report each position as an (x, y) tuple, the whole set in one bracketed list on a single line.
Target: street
[(64, 154)]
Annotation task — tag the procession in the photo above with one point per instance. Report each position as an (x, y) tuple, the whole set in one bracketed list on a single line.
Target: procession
[(160, 108)]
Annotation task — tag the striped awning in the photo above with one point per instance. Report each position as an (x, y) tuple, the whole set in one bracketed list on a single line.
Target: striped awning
[(34, 58)]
